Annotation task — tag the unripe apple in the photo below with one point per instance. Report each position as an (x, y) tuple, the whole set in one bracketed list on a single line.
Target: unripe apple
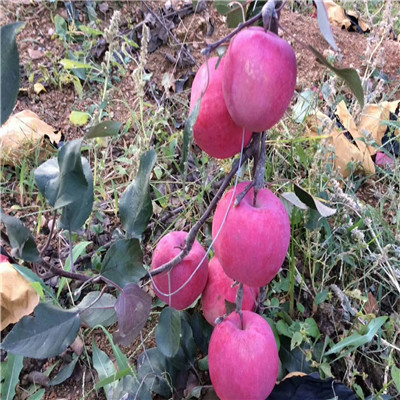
[(259, 78), (243, 360), (214, 131), (254, 240), (218, 289), (169, 247)]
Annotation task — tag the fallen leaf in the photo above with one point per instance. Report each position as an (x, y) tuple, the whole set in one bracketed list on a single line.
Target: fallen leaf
[(384, 161), (345, 151), (372, 306), (79, 118), (349, 20), (371, 121), (18, 297), (38, 88), (35, 54), (21, 134)]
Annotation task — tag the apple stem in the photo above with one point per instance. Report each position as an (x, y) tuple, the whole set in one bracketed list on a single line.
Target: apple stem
[(239, 302), (259, 176)]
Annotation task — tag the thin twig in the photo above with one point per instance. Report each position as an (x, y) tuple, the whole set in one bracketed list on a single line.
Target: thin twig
[(60, 272), (50, 234)]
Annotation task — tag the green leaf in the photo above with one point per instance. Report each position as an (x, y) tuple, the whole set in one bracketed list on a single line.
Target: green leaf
[(321, 297), (356, 340), (297, 339), (133, 309), (135, 205), (155, 371), (47, 334), (202, 331), (168, 332), (73, 183), (68, 184), (104, 368), (104, 129), (10, 374), (233, 12), (9, 68), (79, 118), (123, 263), (20, 238), (72, 64), (349, 75), (311, 328), (47, 180), (184, 359), (100, 313), (65, 372), (324, 25), (312, 202), (188, 135), (129, 388), (60, 26), (395, 372)]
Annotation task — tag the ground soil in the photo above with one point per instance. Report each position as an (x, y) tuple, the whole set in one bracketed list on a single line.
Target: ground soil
[(39, 48)]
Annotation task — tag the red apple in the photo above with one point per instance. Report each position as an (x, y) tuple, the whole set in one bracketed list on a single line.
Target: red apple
[(259, 78), (218, 289), (243, 361), (254, 240), (169, 247), (214, 131)]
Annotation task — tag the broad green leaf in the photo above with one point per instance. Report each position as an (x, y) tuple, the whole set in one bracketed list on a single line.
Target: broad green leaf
[(72, 180), (65, 372), (20, 238), (311, 328), (154, 369), (168, 331), (129, 388), (135, 205), (321, 297), (184, 359), (79, 118), (104, 129), (104, 368), (133, 309), (9, 68), (395, 372), (47, 179), (68, 184), (297, 339), (233, 12), (356, 340), (100, 313), (188, 136), (71, 64), (60, 26), (312, 202), (10, 374), (123, 263), (324, 25), (202, 331), (349, 75), (47, 334)]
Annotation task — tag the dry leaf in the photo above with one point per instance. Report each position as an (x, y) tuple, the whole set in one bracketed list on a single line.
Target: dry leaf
[(35, 54), (339, 17), (372, 306), (345, 151), (38, 88), (371, 118), (21, 134), (18, 297), (347, 121)]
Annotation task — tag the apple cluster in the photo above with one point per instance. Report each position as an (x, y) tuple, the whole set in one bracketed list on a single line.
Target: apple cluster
[(246, 91)]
